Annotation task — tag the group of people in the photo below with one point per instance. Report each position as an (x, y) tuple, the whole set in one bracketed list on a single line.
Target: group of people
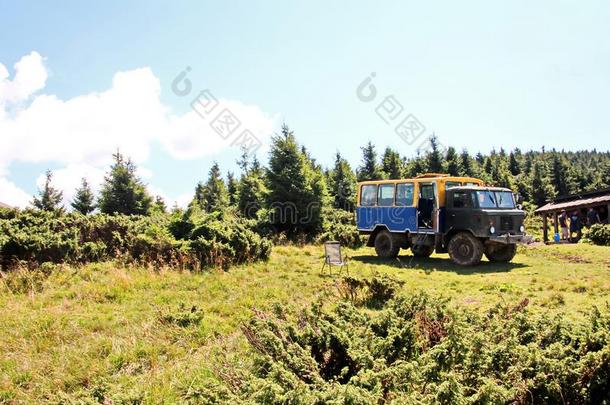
[(574, 222)]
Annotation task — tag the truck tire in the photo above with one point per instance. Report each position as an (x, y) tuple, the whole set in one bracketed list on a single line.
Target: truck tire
[(422, 250), (465, 249), (501, 253), (386, 245)]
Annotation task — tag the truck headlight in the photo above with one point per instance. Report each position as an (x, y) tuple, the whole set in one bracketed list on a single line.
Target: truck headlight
[(492, 229), (522, 228)]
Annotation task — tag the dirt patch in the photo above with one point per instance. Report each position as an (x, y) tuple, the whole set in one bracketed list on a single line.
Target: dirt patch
[(574, 259)]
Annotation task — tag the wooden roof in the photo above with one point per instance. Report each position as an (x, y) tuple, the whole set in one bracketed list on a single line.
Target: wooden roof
[(584, 200)]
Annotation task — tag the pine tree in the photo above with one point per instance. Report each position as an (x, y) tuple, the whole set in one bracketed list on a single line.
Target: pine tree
[(561, 176), (416, 167), (159, 204), (49, 197), (466, 168), (434, 158), (84, 200), (251, 195), (213, 195), (542, 189), (513, 163), (369, 170), (122, 191), (391, 164), (606, 175), (488, 166), (480, 159), (342, 181), (244, 160), (297, 190), (453, 164), (251, 189), (232, 185)]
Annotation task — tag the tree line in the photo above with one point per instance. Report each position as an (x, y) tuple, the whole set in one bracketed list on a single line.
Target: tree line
[(294, 194)]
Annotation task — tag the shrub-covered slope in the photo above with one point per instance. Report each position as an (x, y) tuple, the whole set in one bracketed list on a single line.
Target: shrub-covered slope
[(189, 239)]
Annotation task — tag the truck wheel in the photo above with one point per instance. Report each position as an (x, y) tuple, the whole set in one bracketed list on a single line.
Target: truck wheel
[(386, 245), (465, 249), (422, 250), (501, 253)]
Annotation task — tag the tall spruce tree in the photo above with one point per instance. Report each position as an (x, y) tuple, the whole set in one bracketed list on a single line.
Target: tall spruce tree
[(212, 195), (452, 159), (84, 200), (606, 175), (466, 164), (49, 198), (416, 166), (542, 189), (123, 192), (391, 164), (369, 170), (479, 158), (561, 177), (513, 162), (434, 157), (159, 205), (297, 189), (342, 182), (232, 185), (251, 194)]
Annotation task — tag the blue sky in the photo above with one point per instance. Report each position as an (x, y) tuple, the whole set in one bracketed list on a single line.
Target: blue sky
[(481, 75)]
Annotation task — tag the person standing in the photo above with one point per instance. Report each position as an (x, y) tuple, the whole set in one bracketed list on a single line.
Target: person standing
[(575, 226), (563, 223), (592, 217)]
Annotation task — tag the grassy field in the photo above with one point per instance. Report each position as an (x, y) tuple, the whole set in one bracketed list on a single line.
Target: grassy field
[(102, 331)]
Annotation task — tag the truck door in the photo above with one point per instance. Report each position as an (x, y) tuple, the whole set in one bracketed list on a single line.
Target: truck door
[(427, 207), (459, 210)]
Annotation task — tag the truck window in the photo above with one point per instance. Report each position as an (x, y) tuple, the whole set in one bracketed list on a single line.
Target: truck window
[(462, 199), (451, 184), (486, 199), (404, 194), (368, 196), (495, 199), (427, 191), (505, 199), (386, 195)]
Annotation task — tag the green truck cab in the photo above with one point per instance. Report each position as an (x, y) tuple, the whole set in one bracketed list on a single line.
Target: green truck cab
[(481, 220)]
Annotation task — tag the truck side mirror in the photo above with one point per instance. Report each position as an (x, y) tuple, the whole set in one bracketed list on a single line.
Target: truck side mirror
[(519, 198)]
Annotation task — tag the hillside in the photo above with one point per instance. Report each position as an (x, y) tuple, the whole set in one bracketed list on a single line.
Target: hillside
[(104, 332)]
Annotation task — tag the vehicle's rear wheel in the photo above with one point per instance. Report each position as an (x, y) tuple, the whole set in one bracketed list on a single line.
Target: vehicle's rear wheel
[(503, 253), (422, 250), (386, 245), (465, 249)]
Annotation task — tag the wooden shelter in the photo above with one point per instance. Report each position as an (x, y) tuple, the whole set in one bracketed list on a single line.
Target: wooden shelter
[(599, 200)]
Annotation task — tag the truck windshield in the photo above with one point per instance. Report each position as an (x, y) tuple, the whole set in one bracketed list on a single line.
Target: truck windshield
[(495, 199)]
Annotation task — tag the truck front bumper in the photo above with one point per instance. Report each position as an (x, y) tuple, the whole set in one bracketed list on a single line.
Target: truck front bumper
[(507, 239)]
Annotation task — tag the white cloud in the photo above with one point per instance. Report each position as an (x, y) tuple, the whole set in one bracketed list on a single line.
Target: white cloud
[(12, 195), (30, 76), (84, 131)]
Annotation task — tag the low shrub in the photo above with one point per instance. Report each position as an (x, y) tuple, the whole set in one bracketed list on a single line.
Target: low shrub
[(598, 234), (373, 292), (340, 226), (182, 239), (183, 316), (418, 349)]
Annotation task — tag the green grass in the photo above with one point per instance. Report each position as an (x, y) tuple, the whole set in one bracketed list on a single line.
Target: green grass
[(83, 334)]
